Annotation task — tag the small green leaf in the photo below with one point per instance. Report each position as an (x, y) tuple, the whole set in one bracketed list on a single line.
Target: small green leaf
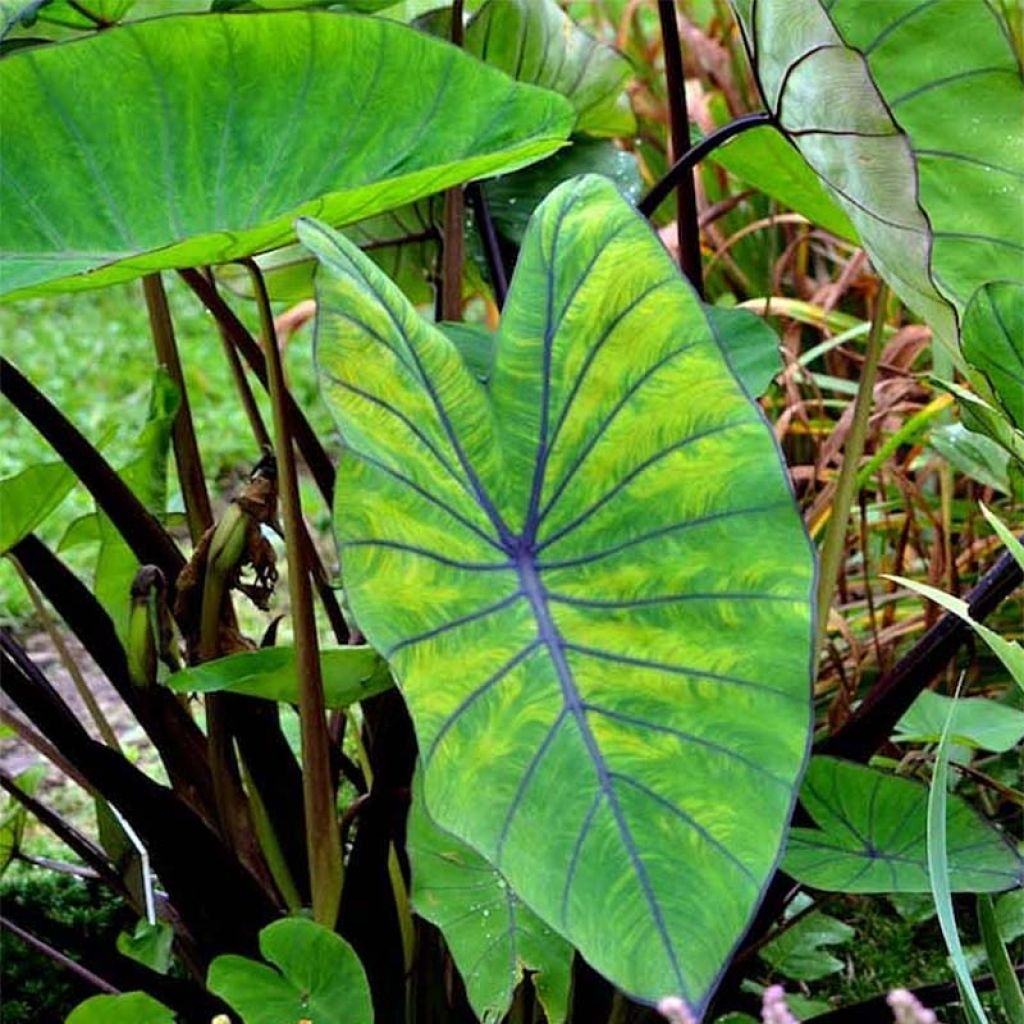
[(977, 722), (12, 820), (494, 938), (972, 454), (871, 836), (27, 498), (149, 944), (801, 952), (1009, 652), (127, 1008), (993, 341), (750, 344), (315, 113), (318, 978), (350, 674)]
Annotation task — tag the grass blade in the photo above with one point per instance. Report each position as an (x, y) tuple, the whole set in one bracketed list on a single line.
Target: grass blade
[(938, 874)]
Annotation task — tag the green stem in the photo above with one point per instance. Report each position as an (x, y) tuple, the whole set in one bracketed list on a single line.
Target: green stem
[(846, 487), (186, 448), (322, 836)]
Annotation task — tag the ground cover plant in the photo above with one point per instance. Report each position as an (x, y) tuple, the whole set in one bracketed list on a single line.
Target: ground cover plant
[(520, 577)]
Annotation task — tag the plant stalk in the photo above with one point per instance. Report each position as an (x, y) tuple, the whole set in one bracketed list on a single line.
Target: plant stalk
[(322, 836), (491, 244), (58, 957), (309, 445), (679, 125), (454, 215), (846, 487), (186, 448), (99, 719), (141, 530), (685, 164)]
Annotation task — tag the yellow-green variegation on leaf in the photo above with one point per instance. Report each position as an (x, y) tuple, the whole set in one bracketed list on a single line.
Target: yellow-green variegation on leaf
[(590, 581)]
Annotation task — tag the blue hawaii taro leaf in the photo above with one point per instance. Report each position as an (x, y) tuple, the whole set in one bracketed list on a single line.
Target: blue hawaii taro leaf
[(124, 155), (909, 111), (590, 581), (871, 836)]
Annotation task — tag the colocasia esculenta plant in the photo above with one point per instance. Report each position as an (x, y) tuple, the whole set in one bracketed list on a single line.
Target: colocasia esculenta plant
[(655, 345)]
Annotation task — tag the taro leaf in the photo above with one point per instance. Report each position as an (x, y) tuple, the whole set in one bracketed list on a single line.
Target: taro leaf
[(146, 475), (28, 497), (18, 12), (993, 341), (535, 41), (350, 674), (974, 455), (765, 159), (128, 1008), (1009, 652), (872, 836), (319, 978), (512, 198), (603, 614), (988, 421), (493, 936), (85, 14), (977, 722), (902, 109), (476, 346), (801, 951), (750, 344), (148, 944), (147, 161)]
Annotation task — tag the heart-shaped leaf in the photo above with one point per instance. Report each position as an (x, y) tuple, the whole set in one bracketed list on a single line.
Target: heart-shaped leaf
[(28, 497), (493, 936), (319, 978), (147, 160), (590, 581), (128, 1008), (977, 722), (350, 674), (871, 836), (902, 109)]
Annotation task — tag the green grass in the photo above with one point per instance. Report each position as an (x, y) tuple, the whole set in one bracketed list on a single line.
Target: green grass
[(91, 354)]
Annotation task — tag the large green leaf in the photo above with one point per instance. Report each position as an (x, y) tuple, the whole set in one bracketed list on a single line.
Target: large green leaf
[(993, 340), (590, 581), (871, 836), (200, 139), (765, 159), (536, 41), (350, 674), (493, 936), (904, 110), (319, 978)]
